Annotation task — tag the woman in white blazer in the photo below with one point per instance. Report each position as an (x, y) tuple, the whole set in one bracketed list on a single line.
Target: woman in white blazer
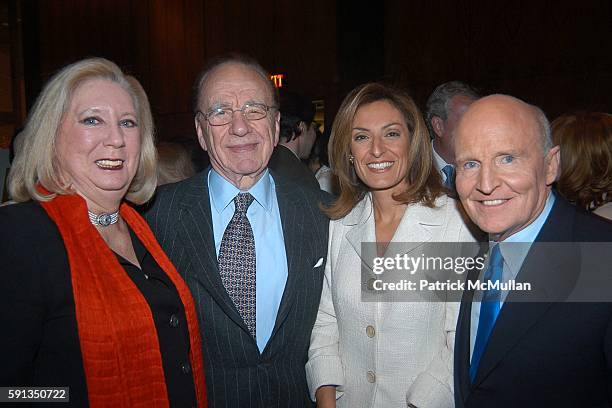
[(382, 354)]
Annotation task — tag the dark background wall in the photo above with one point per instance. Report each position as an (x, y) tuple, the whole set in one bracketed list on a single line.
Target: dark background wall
[(557, 54)]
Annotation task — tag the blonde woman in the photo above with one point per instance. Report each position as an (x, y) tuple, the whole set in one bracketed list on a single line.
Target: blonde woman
[(88, 300)]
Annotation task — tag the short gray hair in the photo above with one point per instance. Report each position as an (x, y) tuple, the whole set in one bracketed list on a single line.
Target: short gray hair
[(37, 162), (232, 58), (437, 103), (544, 129)]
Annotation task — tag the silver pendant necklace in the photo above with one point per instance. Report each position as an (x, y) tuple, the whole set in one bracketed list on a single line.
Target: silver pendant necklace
[(104, 219)]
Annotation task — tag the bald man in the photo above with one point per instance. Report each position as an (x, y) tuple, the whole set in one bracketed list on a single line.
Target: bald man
[(516, 347)]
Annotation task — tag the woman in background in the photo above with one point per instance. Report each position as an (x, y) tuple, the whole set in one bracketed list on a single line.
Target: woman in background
[(88, 299), (174, 163), (382, 354), (586, 160)]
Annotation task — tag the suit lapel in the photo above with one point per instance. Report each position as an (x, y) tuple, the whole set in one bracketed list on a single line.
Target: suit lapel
[(413, 230), (292, 220), (545, 265), (462, 338), (198, 239)]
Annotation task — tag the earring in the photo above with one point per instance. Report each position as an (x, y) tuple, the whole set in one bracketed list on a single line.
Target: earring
[(351, 159)]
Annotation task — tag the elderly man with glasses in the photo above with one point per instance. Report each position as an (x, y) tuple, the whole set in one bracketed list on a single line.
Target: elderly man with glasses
[(250, 244)]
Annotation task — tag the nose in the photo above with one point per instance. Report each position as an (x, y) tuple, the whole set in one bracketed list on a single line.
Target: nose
[(115, 137), (488, 179), (239, 126), (377, 148)]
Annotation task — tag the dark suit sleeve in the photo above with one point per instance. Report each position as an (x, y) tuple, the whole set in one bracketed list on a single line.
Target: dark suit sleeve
[(21, 298)]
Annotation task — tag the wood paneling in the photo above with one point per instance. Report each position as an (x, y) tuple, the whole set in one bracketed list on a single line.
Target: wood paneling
[(166, 43), (556, 54), (553, 53)]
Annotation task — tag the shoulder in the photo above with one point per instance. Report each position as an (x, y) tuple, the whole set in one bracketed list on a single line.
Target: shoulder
[(169, 192), (311, 197), (568, 223), (169, 197), (25, 217), (26, 229)]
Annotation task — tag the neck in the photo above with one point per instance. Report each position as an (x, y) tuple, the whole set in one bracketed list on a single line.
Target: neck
[(386, 208), (443, 152), (99, 205), (243, 183)]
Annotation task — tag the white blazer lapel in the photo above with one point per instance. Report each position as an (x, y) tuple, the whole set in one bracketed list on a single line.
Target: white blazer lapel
[(360, 224)]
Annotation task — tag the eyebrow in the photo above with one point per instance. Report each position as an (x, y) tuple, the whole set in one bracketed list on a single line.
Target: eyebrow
[(97, 110), (220, 104), (384, 127)]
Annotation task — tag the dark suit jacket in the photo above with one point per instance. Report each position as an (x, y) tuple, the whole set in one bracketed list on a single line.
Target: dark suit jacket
[(237, 375), (285, 163), (546, 353)]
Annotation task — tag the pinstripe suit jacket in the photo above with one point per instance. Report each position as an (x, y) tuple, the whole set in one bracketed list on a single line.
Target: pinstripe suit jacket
[(237, 375)]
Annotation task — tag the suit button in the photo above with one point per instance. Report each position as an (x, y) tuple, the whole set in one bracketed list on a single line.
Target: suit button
[(186, 368), (370, 331), (371, 376), (174, 321)]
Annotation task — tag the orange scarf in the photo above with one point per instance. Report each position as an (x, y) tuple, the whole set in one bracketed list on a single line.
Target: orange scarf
[(121, 356)]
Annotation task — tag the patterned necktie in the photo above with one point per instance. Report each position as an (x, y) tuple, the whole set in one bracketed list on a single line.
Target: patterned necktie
[(489, 309), (449, 172), (237, 261)]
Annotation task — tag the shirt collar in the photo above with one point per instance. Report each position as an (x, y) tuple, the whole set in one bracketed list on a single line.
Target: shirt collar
[(514, 249), (438, 160), (222, 192)]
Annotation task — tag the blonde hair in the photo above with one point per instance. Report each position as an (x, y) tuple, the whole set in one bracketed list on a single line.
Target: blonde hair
[(37, 163), (423, 182), (174, 163)]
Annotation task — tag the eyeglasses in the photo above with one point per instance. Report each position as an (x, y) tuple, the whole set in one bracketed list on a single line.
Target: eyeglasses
[(222, 116)]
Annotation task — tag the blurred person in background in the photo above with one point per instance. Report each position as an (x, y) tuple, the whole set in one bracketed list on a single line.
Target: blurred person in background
[(445, 106), (585, 178), (88, 299), (318, 162), (174, 163), (297, 136)]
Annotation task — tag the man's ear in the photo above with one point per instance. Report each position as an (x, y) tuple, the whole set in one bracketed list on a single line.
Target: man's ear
[(438, 126), (200, 131), (552, 162)]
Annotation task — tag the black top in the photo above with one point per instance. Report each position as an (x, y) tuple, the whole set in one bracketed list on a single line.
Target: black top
[(39, 345)]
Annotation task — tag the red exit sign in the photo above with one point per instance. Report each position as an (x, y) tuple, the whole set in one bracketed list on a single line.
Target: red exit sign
[(277, 79)]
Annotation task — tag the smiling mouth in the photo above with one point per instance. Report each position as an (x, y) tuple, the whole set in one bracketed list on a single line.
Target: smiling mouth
[(248, 147), (108, 164), (493, 203), (380, 166)]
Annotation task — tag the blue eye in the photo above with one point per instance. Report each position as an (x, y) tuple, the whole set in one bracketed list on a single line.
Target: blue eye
[(128, 123), (507, 159), (468, 165), (91, 121)]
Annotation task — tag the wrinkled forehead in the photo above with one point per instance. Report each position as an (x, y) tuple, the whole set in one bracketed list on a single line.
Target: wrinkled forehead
[(234, 85)]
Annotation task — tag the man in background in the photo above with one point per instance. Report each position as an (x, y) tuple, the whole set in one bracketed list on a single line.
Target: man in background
[(444, 109), (297, 136)]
